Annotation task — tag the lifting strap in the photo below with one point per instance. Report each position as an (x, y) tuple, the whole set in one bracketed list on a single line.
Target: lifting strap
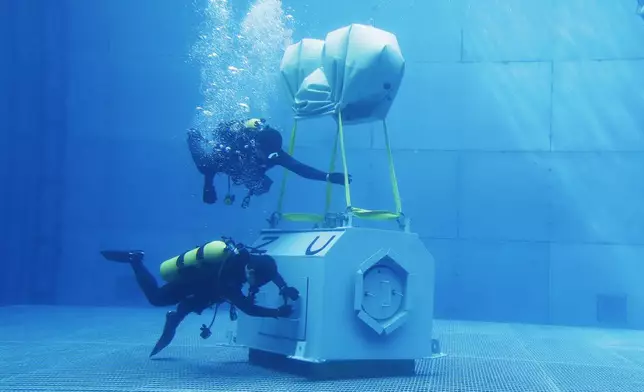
[(294, 216), (358, 212), (291, 148)]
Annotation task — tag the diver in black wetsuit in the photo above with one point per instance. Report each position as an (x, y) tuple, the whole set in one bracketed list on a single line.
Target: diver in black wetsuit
[(200, 288), (245, 150)]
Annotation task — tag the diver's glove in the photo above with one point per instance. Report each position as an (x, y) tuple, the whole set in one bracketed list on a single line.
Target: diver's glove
[(290, 293), (284, 311), (337, 178)]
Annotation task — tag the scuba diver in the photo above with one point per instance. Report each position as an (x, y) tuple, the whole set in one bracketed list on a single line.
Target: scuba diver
[(245, 150), (205, 276), (640, 8)]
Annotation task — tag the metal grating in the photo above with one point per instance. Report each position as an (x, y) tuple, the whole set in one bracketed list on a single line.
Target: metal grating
[(106, 349)]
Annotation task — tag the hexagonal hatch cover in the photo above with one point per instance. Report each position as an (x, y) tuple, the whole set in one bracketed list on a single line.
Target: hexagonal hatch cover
[(381, 293)]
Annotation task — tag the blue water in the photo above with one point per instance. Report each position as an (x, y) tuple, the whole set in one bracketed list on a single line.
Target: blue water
[(517, 137)]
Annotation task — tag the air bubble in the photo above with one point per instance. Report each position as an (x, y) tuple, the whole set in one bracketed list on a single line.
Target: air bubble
[(255, 46)]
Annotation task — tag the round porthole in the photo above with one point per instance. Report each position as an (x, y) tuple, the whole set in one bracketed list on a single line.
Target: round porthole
[(383, 293)]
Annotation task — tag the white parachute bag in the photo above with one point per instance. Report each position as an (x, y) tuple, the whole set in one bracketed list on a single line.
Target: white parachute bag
[(299, 61), (301, 70), (359, 72), (314, 97), (365, 67)]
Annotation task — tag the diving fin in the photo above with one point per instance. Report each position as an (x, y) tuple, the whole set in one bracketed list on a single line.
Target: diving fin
[(172, 320), (123, 256)]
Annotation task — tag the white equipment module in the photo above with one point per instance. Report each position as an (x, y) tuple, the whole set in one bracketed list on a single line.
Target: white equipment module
[(366, 302)]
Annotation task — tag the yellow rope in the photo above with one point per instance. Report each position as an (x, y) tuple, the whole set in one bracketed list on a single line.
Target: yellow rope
[(291, 148), (358, 212), (329, 185), (392, 172), (347, 191)]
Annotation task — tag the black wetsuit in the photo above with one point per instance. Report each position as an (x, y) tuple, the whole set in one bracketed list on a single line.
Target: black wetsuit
[(197, 288), (245, 156), (201, 288)]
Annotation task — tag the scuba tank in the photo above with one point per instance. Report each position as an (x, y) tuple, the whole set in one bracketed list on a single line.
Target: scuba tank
[(210, 253)]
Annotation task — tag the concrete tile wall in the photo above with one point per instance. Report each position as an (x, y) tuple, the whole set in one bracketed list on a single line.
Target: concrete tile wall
[(592, 97), (504, 197), (6, 65), (519, 106), (581, 272), (130, 75), (597, 198), (30, 88), (447, 302), (502, 281), (428, 184), (478, 106), (19, 217), (131, 94), (5, 83), (595, 30)]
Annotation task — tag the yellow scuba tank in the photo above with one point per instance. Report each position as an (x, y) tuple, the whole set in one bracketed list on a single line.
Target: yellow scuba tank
[(210, 253)]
